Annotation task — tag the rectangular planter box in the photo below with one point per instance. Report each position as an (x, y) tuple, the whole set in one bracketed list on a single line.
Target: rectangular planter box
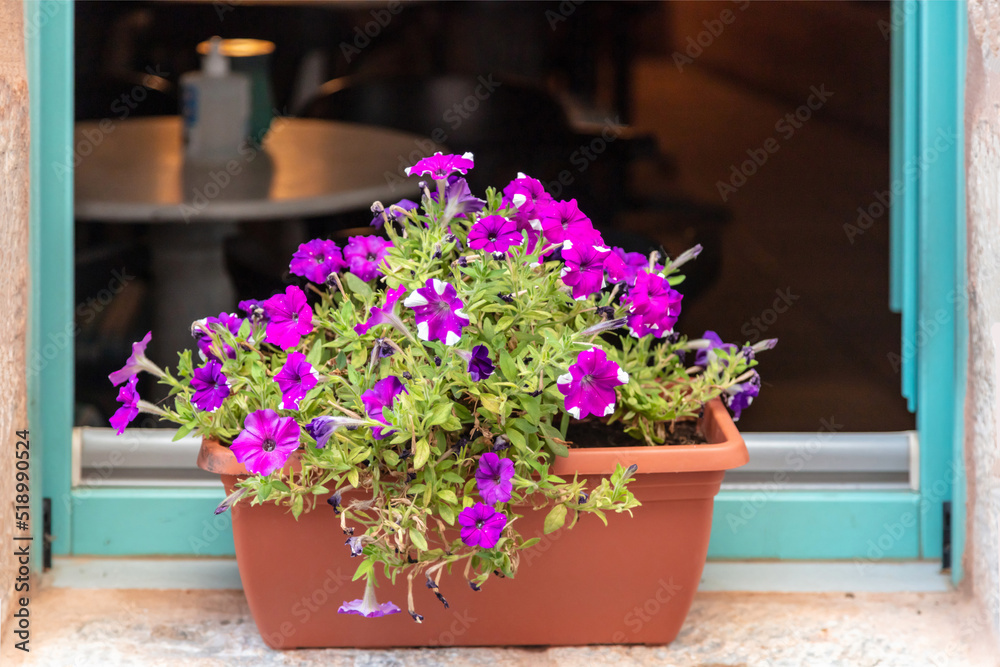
[(631, 582)]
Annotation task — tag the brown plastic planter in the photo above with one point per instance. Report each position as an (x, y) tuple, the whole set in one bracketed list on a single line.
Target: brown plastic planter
[(631, 582)]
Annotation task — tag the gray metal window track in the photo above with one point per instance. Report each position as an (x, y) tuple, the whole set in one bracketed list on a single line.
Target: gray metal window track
[(149, 457)]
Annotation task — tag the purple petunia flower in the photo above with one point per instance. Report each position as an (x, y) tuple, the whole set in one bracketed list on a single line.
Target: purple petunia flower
[(397, 212), (290, 318), (136, 362), (589, 384), (316, 260), (255, 311), (203, 328), (368, 606), (321, 428), (438, 311), (584, 270), (129, 409), (295, 378), (493, 478), (480, 364), (364, 254), (562, 221), (653, 305), (211, 386), (458, 199), (494, 233), (382, 395), (702, 356), (739, 396), (384, 315), (439, 166), (266, 442), (481, 526), (624, 266)]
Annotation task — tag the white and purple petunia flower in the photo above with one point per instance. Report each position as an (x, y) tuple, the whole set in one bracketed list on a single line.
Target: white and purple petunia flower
[(563, 221), (653, 306), (136, 362), (481, 526), (584, 270), (494, 234), (739, 396), (438, 312), (295, 378), (266, 442), (364, 255), (493, 478), (386, 314), (321, 428), (704, 355), (382, 395), (129, 410), (624, 266), (316, 260), (368, 606), (527, 195), (439, 166), (589, 384), (211, 386), (290, 318)]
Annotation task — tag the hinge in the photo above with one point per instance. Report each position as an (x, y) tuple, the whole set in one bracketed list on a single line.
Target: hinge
[(946, 530), (46, 533)]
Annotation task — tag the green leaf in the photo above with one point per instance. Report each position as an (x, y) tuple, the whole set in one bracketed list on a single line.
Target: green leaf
[(555, 519), (508, 367), (517, 439), (439, 414), (390, 457), (364, 568), (422, 453), (492, 403), (418, 539), (356, 285), (447, 513), (183, 431), (448, 496), (297, 504)]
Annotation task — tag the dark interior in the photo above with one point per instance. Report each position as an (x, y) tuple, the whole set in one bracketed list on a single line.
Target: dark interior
[(760, 130)]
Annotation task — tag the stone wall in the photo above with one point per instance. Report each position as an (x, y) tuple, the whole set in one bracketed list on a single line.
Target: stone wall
[(982, 445), (13, 271)]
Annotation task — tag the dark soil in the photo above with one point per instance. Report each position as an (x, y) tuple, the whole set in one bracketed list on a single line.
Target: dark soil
[(588, 434)]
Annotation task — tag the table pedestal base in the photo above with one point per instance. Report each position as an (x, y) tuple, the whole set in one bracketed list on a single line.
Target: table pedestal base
[(190, 282)]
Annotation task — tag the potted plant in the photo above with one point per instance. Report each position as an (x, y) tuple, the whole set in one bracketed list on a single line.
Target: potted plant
[(442, 405)]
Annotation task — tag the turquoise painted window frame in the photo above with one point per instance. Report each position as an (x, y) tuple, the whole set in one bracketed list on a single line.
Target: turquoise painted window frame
[(928, 271)]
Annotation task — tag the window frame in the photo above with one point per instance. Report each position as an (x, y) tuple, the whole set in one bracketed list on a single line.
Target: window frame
[(927, 266)]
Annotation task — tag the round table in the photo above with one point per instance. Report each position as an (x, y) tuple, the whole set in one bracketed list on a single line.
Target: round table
[(134, 170)]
